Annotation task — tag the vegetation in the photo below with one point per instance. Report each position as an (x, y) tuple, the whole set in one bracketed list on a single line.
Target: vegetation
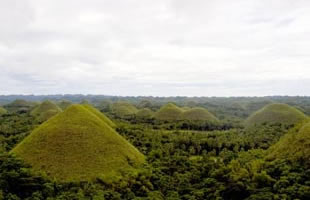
[(45, 110), (19, 105), (123, 110), (99, 115), (2, 111), (64, 104), (169, 112), (183, 159), (77, 145), (276, 113), (198, 114)]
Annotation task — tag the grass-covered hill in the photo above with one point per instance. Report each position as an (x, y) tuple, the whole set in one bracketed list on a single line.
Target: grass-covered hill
[(145, 113), (294, 146), (45, 110), (198, 114), (276, 113), (2, 111), (99, 114), (19, 105), (169, 112), (64, 104), (77, 145), (123, 109)]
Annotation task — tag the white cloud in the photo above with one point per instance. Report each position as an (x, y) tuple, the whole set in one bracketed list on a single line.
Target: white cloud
[(163, 47)]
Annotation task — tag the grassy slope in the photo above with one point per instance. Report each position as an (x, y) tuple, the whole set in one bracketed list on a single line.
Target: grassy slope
[(64, 104), (123, 109), (168, 112), (45, 110), (2, 111), (44, 107), (295, 145), (199, 114), (276, 113), (76, 145), (145, 113), (99, 114)]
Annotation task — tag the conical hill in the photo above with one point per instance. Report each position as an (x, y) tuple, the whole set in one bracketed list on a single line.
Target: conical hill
[(2, 111), (99, 114), (77, 145), (199, 114), (168, 112), (294, 146), (276, 113), (45, 110)]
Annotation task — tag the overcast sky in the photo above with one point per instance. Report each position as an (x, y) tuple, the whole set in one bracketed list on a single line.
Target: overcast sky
[(155, 47)]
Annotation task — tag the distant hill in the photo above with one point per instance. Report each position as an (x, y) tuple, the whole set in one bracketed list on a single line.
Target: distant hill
[(76, 145), (168, 112), (276, 113), (64, 104), (45, 110), (99, 114), (123, 109), (144, 113), (294, 146), (198, 114), (2, 111), (19, 105)]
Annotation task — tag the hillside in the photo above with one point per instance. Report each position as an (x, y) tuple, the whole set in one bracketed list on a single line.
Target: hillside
[(168, 112), (123, 109), (2, 111), (64, 104), (145, 113), (19, 105), (45, 110), (276, 113), (99, 114), (294, 146), (77, 145), (198, 114)]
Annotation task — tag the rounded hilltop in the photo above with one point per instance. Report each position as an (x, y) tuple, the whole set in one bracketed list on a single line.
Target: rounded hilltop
[(3, 111), (45, 110), (168, 112), (198, 114), (276, 113), (77, 145), (294, 146), (123, 109)]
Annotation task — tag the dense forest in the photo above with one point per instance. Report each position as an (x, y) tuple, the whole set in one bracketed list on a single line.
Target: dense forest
[(194, 148)]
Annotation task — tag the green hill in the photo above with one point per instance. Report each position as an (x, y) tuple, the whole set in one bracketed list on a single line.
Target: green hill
[(145, 113), (276, 113), (64, 104), (294, 146), (76, 145), (19, 105), (45, 110), (2, 111), (199, 114), (168, 112), (123, 109), (99, 114)]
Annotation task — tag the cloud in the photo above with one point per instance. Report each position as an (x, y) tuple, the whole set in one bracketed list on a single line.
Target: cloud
[(163, 48)]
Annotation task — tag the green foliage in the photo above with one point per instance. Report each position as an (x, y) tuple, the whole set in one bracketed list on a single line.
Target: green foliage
[(99, 114), (19, 105), (294, 146), (198, 114), (169, 112), (2, 111), (77, 145), (123, 110), (45, 110), (64, 104), (276, 113)]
